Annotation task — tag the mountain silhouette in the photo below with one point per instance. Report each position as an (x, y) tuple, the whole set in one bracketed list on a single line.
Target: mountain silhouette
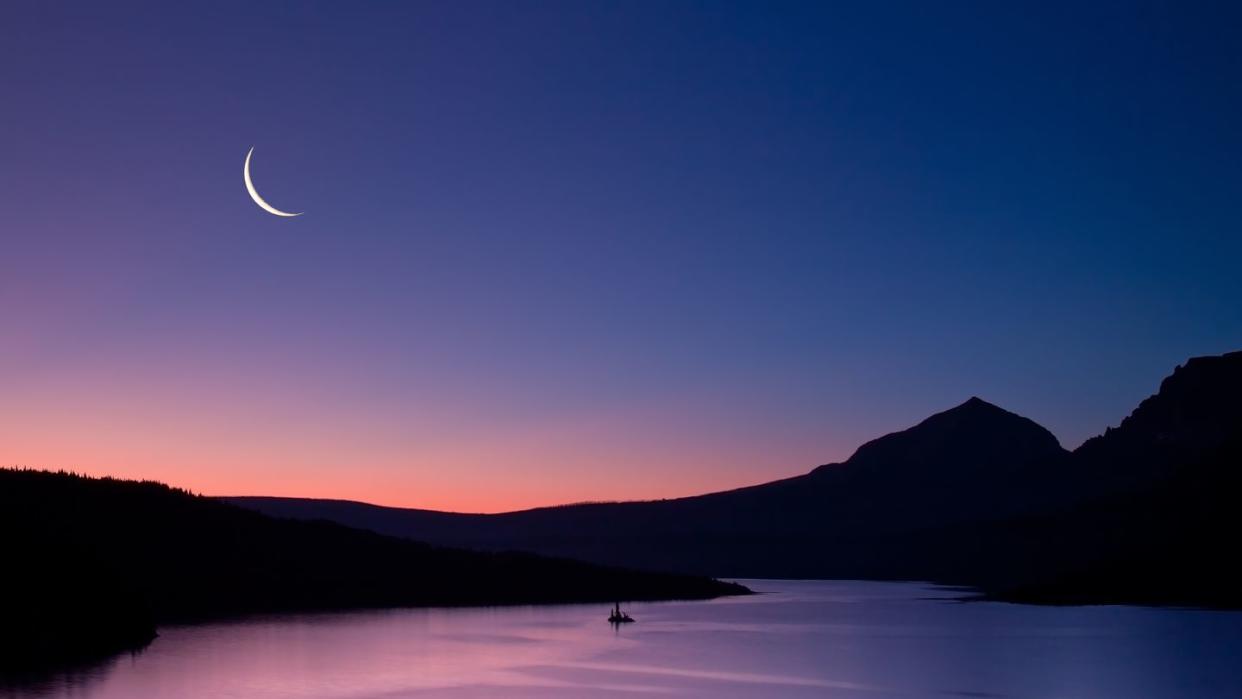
[(1197, 410), (968, 462), (975, 438), (1161, 519), (973, 495)]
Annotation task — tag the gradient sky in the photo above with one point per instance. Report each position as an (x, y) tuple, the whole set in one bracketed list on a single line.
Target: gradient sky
[(571, 251)]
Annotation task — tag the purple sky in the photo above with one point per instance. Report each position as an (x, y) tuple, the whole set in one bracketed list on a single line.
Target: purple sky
[(556, 252)]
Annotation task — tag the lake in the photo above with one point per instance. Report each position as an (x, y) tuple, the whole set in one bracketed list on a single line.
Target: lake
[(799, 638)]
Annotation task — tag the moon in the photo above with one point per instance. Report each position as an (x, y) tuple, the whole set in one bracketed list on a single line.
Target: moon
[(255, 195)]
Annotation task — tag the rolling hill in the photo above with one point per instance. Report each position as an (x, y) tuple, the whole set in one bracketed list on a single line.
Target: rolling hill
[(94, 565)]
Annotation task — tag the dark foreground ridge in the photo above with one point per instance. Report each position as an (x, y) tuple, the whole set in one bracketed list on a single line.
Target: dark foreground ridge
[(974, 495), (92, 566)]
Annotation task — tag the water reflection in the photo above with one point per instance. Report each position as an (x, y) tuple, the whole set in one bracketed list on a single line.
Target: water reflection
[(836, 639)]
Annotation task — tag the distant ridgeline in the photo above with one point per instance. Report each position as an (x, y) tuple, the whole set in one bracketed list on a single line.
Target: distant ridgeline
[(91, 566), (975, 495)]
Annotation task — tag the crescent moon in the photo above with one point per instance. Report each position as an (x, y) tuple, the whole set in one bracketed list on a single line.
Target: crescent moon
[(255, 195)]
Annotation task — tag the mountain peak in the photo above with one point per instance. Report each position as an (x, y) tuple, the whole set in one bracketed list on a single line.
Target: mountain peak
[(975, 403), (973, 437)]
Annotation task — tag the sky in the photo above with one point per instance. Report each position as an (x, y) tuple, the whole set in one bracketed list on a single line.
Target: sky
[(558, 252)]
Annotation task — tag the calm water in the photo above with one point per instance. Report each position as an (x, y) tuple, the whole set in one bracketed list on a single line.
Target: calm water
[(822, 639)]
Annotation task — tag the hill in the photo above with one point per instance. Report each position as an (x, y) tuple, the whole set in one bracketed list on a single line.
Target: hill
[(93, 565), (834, 522), (973, 495)]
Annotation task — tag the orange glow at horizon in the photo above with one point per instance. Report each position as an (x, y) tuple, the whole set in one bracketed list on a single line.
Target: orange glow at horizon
[(455, 484), (217, 439)]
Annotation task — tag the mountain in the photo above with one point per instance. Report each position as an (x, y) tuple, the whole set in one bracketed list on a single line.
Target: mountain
[(974, 440), (1162, 523), (93, 565), (1197, 410), (974, 495), (959, 464)]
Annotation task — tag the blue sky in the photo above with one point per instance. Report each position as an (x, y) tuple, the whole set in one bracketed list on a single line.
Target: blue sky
[(621, 248)]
